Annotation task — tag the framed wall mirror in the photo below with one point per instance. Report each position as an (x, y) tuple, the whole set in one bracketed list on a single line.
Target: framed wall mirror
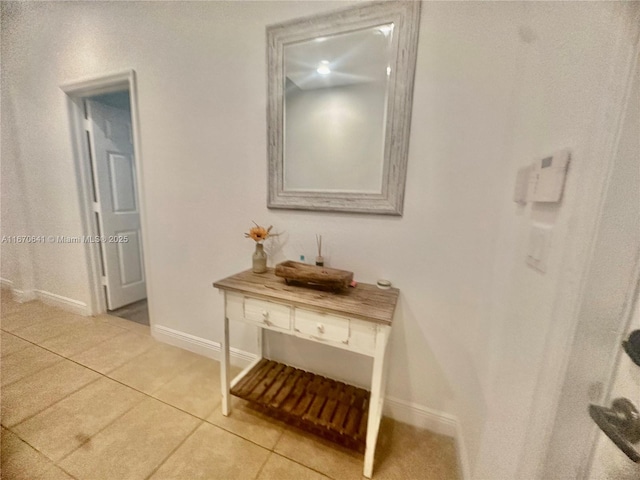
[(340, 89)]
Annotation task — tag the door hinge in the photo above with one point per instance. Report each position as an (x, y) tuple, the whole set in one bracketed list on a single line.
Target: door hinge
[(96, 207), (103, 281), (87, 124)]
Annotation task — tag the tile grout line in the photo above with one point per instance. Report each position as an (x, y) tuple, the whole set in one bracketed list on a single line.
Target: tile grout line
[(263, 465), (110, 378), (66, 455), (103, 428), (303, 465), (63, 357), (53, 464), (37, 371), (288, 427), (76, 353), (49, 319), (17, 351), (170, 454), (238, 435), (148, 395), (24, 326), (65, 471), (124, 330), (53, 338), (75, 391), (133, 388), (86, 366), (51, 405), (204, 420)]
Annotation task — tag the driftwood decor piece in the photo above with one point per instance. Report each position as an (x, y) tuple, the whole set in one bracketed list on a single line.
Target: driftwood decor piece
[(314, 276)]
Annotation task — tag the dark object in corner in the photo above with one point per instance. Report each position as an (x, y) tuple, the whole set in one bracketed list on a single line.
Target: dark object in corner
[(632, 346)]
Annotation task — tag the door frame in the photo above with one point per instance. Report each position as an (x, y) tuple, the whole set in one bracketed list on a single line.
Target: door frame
[(76, 92), (579, 253), (631, 303)]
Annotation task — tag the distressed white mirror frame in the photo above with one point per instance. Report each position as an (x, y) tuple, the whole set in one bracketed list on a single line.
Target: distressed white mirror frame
[(405, 17)]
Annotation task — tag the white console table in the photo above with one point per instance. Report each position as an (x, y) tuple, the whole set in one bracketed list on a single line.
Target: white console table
[(357, 319)]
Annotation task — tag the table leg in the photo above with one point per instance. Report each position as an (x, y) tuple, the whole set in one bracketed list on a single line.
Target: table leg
[(375, 402), (224, 370), (260, 342)]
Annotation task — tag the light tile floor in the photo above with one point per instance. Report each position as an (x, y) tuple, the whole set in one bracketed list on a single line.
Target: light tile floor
[(98, 398)]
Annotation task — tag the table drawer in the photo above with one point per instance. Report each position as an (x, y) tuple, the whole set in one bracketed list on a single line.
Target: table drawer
[(321, 326), (274, 315), (362, 336)]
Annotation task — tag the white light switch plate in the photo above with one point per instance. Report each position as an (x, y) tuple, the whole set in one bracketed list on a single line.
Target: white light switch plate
[(539, 245)]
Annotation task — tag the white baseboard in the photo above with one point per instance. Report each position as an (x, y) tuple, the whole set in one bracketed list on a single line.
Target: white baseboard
[(433, 420), (420, 416), (406, 412), (199, 345), (461, 452), (65, 303), (20, 296), (23, 296), (55, 300)]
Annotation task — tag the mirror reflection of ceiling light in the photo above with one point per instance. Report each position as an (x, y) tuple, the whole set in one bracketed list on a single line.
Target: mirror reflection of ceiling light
[(323, 68), (386, 29)]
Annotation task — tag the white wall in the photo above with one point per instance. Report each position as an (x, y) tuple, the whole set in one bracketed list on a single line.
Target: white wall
[(17, 261), (334, 138), (497, 85)]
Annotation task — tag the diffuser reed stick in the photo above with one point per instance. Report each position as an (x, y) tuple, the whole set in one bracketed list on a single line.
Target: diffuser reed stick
[(319, 258)]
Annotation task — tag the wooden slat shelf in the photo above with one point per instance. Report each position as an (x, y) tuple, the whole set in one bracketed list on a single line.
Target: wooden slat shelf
[(322, 406)]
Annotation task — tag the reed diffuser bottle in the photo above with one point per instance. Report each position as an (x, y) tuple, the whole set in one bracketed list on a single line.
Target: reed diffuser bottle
[(319, 258)]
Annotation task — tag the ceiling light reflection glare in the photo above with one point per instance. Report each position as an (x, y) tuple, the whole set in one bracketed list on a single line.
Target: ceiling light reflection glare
[(323, 68), (386, 29)]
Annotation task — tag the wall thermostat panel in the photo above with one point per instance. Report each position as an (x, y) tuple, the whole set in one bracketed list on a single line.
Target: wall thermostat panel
[(548, 177)]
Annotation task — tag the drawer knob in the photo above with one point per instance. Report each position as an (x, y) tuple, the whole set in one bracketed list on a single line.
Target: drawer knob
[(320, 328)]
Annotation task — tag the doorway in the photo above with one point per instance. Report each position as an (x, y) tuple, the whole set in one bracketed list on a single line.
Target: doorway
[(599, 374), (608, 461), (108, 165)]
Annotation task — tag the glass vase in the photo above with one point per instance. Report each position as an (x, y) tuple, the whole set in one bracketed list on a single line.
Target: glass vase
[(259, 259)]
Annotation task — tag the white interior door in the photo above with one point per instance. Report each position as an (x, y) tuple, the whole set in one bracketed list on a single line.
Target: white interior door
[(117, 203), (604, 315), (609, 462)]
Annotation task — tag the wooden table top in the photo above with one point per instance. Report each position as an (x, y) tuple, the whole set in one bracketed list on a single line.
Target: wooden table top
[(365, 301)]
